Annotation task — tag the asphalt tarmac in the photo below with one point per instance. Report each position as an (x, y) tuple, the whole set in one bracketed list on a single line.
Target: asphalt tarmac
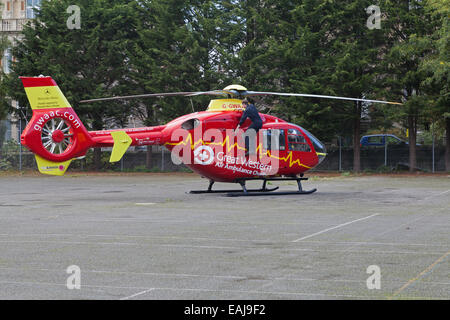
[(143, 237)]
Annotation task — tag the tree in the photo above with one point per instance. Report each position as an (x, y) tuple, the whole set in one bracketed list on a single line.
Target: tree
[(4, 44), (283, 45), (355, 56), (4, 106), (177, 49), (436, 67), (173, 52), (409, 25), (87, 62), (322, 47)]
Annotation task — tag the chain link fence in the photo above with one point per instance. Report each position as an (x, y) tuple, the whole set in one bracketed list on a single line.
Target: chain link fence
[(384, 158), (430, 158), (375, 159), (15, 157)]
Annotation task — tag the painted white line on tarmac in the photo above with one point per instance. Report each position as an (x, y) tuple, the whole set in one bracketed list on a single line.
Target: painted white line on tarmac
[(336, 227), (184, 246), (36, 283), (435, 195), (373, 243), (137, 294), (82, 235), (211, 276), (71, 242), (192, 289), (420, 275)]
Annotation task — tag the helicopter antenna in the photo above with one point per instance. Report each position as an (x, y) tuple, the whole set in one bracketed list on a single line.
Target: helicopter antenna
[(192, 104)]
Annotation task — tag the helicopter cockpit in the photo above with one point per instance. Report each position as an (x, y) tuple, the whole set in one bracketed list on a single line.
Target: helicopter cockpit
[(319, 147), (275, 139)]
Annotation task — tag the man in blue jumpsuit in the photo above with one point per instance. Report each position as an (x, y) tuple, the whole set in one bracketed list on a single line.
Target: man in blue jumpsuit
[(252, 113)]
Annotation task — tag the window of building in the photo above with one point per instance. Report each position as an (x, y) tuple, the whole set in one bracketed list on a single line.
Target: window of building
[(297, 141), (274, 139), (31, 6)]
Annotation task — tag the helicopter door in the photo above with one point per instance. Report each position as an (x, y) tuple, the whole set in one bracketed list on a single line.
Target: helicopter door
[(274, 143), (297, 141), (273, 139)]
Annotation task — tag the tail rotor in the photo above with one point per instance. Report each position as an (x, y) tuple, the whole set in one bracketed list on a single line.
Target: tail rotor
[(57, 136)]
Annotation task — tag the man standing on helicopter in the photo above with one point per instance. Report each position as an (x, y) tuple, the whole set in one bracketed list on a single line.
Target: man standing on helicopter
[(252, 113)]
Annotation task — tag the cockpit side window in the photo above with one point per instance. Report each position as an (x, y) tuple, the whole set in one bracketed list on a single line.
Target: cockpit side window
[(297, 141), (318, 146), (274, 139)]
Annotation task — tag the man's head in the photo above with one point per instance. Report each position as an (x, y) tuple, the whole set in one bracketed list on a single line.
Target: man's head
[(245, 102)]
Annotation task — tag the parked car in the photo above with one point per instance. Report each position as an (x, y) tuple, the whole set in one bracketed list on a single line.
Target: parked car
[(381, 139)]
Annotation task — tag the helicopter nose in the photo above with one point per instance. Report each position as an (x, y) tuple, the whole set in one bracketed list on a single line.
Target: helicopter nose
[(321, 151), (319, 147)]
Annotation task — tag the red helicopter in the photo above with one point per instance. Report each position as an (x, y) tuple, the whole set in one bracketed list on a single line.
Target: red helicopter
[(206, 142)]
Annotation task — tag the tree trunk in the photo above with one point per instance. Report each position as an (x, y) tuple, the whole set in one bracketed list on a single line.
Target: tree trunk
[(148, 158), (97, 125), (447, 144), (97, 158), (357, 138), (412, 128)]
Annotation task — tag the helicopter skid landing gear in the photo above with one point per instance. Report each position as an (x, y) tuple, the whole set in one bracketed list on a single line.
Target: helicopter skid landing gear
[(246, 192), (211, 182), (264, 191)]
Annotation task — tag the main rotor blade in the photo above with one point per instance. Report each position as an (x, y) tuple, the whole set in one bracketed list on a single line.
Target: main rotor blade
[(259, 93), (167, 94), (234, 93)]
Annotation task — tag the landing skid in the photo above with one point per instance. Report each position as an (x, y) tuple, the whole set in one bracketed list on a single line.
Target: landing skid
[(263, 191)]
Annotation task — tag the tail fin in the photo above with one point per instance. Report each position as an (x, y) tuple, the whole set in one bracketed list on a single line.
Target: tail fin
[(44, 93), (55, 133)]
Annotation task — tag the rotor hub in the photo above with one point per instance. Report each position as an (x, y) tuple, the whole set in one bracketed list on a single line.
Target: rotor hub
[(57, 136), (236, 87)]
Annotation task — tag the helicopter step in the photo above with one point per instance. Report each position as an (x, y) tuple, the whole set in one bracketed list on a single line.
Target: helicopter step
[(264, 191)]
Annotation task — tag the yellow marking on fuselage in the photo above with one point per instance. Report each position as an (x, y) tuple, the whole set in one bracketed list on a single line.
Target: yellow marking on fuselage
[(225, 105), (289, 157), (189, 140)]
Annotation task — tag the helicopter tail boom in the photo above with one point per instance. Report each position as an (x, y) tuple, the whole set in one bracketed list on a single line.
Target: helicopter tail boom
[(56, 135)]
